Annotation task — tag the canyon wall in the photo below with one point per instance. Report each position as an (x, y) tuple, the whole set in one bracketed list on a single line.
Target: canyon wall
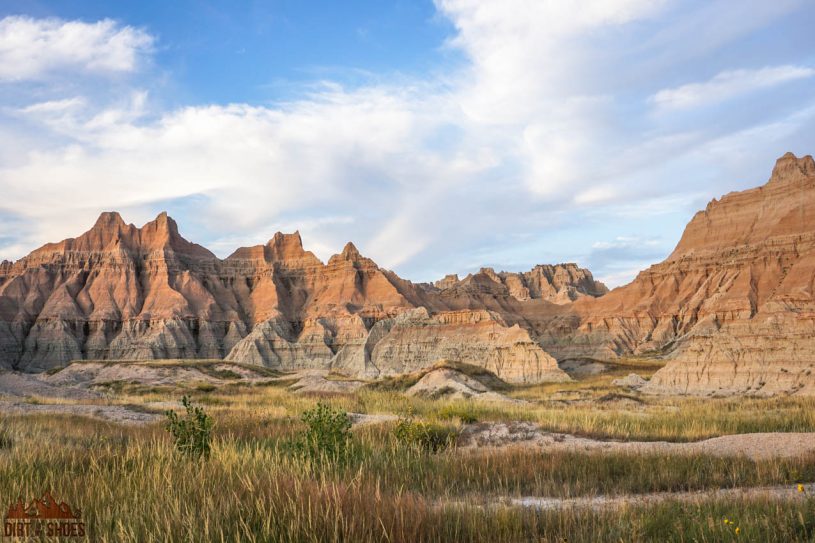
[(119, 292), (731, 309)]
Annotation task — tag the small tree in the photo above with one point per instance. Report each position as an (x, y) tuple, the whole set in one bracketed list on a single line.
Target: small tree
[(328, 432), (192, 434)]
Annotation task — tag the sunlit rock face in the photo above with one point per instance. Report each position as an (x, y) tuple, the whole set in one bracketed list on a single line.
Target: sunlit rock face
[(119, 292), (731, 308)]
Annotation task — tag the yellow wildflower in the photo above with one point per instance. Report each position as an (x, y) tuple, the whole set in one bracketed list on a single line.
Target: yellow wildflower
[(800, 487), (738, 530)]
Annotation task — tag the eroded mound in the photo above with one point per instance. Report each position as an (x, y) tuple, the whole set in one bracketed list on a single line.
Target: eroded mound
[(450, 380), (155, 373)]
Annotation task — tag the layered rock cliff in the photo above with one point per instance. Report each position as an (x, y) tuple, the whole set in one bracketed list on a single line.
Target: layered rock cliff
[(560, 283), (120, 292), (731, 308)]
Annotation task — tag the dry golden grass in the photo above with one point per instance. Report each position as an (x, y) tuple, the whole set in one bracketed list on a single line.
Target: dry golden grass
[(133, 487)]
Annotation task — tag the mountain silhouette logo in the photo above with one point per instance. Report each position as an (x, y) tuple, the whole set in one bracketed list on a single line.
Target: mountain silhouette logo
[(43, 516)]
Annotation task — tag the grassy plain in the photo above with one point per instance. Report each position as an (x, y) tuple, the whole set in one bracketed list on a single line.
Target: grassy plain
[(132, 486)]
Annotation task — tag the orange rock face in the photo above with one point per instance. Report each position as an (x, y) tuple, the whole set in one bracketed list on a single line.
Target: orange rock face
[(731, 308), (121, 292)]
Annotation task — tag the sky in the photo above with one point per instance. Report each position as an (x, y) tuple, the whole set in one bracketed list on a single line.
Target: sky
[(438, 136)]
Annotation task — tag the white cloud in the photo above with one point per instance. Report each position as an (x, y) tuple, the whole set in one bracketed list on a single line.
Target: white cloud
[(55, 106), (625, 242), (595, 195), (727, 85), (547, 126), (33, 49)]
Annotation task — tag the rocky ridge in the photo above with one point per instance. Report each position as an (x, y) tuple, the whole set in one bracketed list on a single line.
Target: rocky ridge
[(559, 283), (732, 307), (119, 292)]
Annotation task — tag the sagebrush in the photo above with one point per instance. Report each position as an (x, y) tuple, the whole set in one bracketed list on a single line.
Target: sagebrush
[(192, 434)]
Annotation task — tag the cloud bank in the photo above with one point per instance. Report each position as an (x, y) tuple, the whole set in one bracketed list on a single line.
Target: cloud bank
[(567, 133)]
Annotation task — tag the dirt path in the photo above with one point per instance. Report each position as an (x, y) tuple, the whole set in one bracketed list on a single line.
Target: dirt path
[(785, 492), (525, 434), (113, 413), (22, 385)]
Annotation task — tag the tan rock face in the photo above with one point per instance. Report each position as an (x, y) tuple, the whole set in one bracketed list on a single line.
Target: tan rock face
[(560, 284), (121, 292), (731, 308), (416, 340)]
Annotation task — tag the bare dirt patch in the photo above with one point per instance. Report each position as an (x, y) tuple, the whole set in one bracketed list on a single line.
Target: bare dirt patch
[(318, 382), (526, 434), (23, 385), (452, 384), (113, 413), (600, 503)]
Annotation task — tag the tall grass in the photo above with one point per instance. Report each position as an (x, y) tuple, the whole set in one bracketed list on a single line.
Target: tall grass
[(669, 419), (132, 487)]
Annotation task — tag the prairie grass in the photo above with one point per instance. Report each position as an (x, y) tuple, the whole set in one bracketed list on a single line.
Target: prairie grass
[(591, 408), (649, 419), (133, 486)]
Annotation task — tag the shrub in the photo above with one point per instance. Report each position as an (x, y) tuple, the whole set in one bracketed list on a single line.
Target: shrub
[(464, 413), (327, 434), (205, 387), (192, 434), (424, 436)]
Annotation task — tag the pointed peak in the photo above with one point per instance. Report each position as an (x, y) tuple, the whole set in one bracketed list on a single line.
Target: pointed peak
[(285, 249), (790, 166), (350, 252), (163, 223), (164, 219), (109, 219), (448, 281)]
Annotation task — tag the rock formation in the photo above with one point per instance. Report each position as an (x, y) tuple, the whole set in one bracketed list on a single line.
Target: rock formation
[(415, 340), (560, 284), (451, 384), (119, 292), (731, 308)]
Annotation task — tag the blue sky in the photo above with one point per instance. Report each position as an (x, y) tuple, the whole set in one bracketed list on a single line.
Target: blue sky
[(438, 136)]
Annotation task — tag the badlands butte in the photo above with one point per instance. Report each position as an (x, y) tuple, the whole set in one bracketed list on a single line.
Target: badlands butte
[(730, 311)]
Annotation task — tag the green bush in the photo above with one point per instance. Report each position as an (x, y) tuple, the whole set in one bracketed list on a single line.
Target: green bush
[(464, 413), (327, 434), (424, 436), (192, 434)]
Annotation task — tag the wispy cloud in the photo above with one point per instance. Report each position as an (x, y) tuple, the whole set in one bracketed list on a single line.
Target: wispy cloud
[(727, 85)]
